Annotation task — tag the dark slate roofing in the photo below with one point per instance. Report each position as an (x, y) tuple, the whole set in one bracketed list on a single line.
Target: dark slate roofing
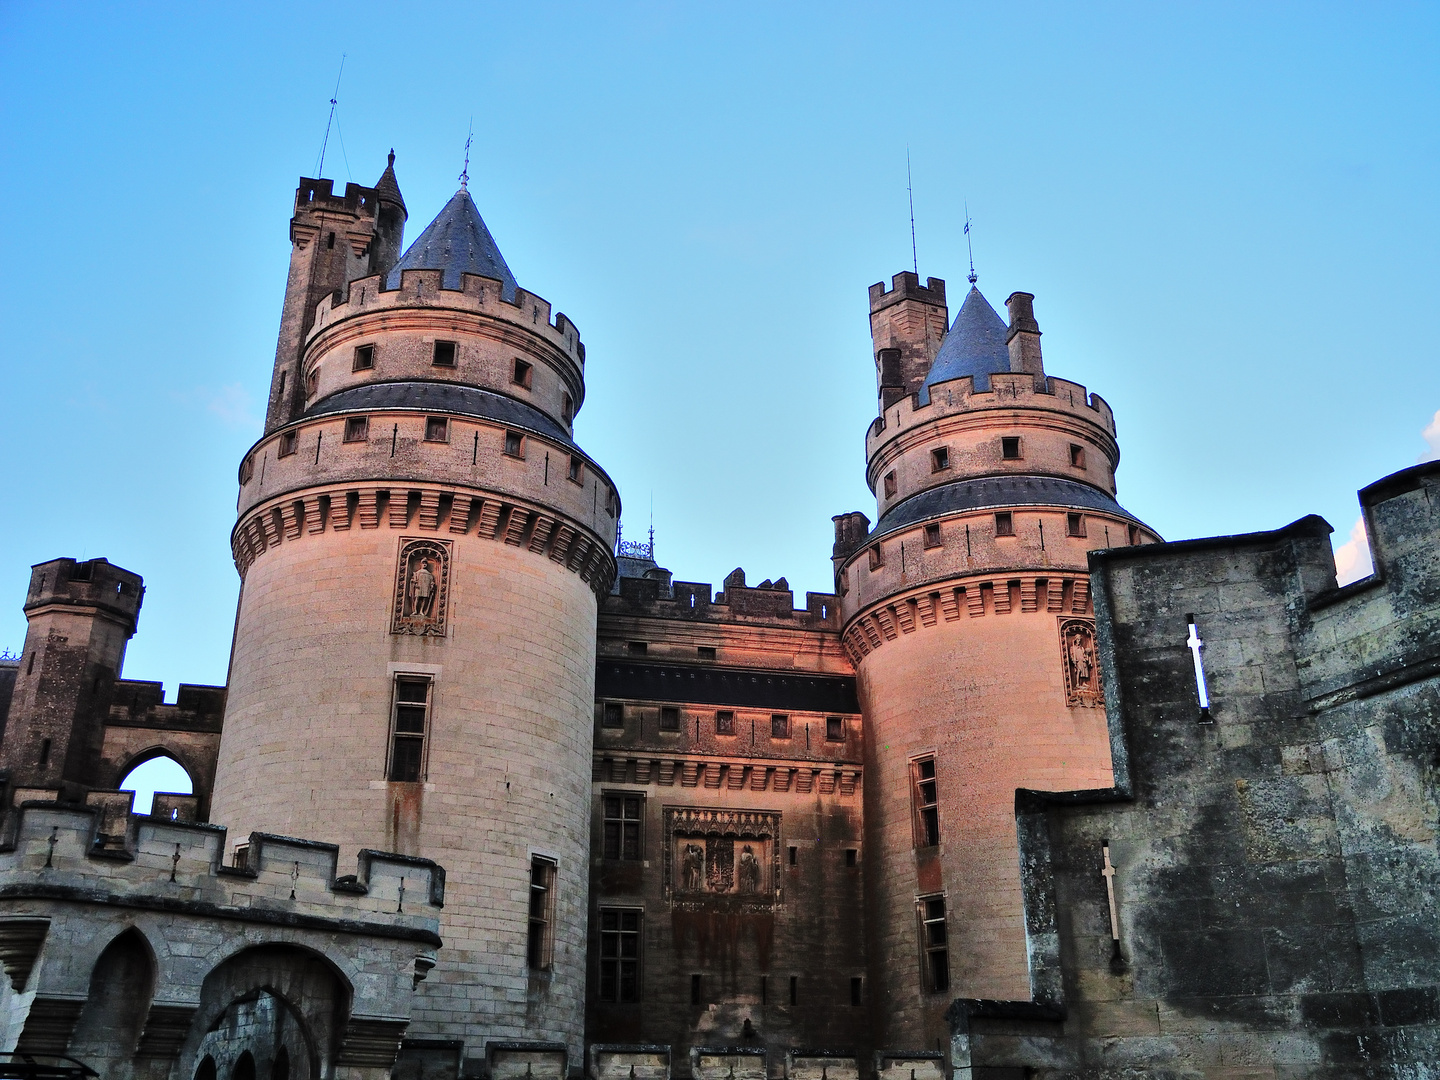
[(387, 187), (998, 491), (441, 397), (974, 346), (696, 685), (456, 242)]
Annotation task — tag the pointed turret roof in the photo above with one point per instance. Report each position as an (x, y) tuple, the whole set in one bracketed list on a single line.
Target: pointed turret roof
[(975, 346), (456, 242), (387, 187)]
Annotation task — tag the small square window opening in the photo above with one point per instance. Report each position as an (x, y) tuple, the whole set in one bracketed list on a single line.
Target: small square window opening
[(669, 718), (834, 729), (437, 429), (357, 428), (444, 355), (724, 723), (932, 534), (637, 648), (287, 445), (613, 715), (522, 374), (877, 557), (779, 726), (1010, 447), (514, 445), (1074, 524), (794, 855), (939, 459), (1077, 455), (890, 484), (364, 358), (852, 857), (705, 652), (576, 475), (1004, 524)]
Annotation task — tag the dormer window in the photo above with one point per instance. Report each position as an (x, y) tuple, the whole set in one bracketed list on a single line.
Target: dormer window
[(521, 376), (444, 355)]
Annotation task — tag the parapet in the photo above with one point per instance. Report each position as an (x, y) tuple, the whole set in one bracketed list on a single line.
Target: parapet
[(906, 286), (91, 585), (313, 194), (769, 601), (135, 701)]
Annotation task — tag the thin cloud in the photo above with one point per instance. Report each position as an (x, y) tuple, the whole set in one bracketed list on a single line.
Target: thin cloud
[(1352, 558), (231, 403)]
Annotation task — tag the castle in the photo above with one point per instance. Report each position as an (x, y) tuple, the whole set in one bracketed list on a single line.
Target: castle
[(1031, 793)]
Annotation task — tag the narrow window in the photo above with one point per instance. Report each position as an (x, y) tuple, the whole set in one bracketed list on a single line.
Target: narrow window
[(694, 989), (357, 428), (411, 716), (312, 381), (611, 503), (287, 445), (522, 374), (1004, 523), (44, 751), (764, 989), (794, 989), (890, 483), (1077, 455), (364, 358), (623, 814), (934, 944), (669, 718), (576, 475), (939, 459), (705, 652), (637, 648), (932, 534), (1074, 524), (852, 857), (834, 729), (1133, 534), (794, 855), (857, 990), (724, 723), (542, 911), (619, 954), (567, 409), (925, 798), (1010, 447), (247, 470), (437, 429), (845, 581), (877, 557), (514, 445), (613, 715), (444, 355), (779, 726), (330, 242)]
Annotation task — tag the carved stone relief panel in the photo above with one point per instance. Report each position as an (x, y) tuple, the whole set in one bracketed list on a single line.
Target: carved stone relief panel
[(728, 858), (1077, 656), (422, 588)]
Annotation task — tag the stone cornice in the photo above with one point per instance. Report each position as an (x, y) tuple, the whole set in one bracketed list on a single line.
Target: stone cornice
[(639, 768)]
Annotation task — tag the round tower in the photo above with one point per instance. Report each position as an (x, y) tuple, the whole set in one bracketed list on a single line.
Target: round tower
[(421, 551), (966, 611)]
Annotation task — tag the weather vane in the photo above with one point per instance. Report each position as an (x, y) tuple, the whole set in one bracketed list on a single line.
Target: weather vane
[(465, 169), (973, 276)]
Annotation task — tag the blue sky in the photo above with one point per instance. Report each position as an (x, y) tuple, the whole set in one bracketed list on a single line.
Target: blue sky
[(1227, 214)]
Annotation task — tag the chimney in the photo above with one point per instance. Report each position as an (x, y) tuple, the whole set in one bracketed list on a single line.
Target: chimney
[(1024, 336)]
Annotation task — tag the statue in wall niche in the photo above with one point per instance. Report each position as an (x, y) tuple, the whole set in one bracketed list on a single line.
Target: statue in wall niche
[(692, 867), (422, 583), (1082, 673), (749, 871)]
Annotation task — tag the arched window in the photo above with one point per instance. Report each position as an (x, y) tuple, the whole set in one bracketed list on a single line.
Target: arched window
[(206, 1070), (280, 1070), (159, 773), (244, 1067)]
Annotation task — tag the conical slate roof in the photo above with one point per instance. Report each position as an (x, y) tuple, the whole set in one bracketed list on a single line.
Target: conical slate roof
[(456, 242), (974, 346), (387, 187)]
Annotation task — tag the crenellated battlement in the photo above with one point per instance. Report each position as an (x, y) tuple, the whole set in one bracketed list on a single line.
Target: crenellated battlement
[(906, 286), (319, 194), (425, 289)]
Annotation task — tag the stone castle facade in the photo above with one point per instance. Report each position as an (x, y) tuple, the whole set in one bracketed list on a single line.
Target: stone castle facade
[(1031, 793)]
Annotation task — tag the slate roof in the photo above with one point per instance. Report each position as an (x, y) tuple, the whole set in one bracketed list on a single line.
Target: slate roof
[(974, 346), (998, 492), (456, 242), (441, 397)]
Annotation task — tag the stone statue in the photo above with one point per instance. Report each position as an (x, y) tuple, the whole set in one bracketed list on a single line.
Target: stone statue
[(1082, 662), (749, 871), (692, 867), (422, 589)]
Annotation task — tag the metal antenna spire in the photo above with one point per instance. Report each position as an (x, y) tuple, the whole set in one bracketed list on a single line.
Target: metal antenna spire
[(968, 247), (910, 186), (465, 169), (320, 169)]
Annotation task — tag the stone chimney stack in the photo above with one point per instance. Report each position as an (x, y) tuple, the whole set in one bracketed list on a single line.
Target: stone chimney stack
[(1024, 336)]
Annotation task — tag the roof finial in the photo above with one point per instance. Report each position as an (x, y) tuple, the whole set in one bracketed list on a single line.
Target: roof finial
[(910, 186), (465, 169), (973, 276), (391, 162)]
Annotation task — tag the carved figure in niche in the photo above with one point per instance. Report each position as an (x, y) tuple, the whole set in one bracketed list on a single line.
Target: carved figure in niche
[(422, 581), (749, 871), (1082, 675), (720, 864), (692, 867)]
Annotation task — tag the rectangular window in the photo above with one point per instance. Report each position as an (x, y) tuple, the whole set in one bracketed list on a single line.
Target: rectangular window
[(576, 475), (724, 723), (613, 716), (669, 718), (890, 483), (1074, 524), (779, 726), (1010, 447), (364, 358), (409, 723), (437, 429), (619, 954), (1077, 455), (1133, 534), (1004, 523), (857, 990), (522, 374), (312, 381), (852, 857), (567, 409), (637, 648), (542, 914), (623, 814), (794, 855), (287, 445), (694, 989), (444, 355), (925, 798), (939, 458), (247, 470), (932, 534), (794, 989), (834, 729), (705, 652), (877, 557), (357, 428), (514, 445), (934, 944)]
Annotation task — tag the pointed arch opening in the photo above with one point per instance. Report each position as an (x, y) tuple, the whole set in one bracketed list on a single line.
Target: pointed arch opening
[(156, 772), (113, 1016)]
